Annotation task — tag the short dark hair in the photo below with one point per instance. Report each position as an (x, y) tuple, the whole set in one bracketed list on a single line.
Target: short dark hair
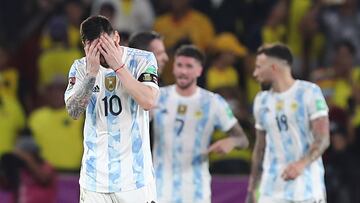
[(142, 40), (347, 44), (278, 50), (94, 26), (191, 51)]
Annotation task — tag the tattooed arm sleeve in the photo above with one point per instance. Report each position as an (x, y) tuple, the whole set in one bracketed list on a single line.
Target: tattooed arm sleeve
[(78, 102)]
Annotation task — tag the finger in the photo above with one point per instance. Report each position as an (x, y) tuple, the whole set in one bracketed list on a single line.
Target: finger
[(107, 38), (92, 46), (108, 42), (98, 48), (97, 54), (103, 51), (212, 148), (293, 175), (284, 174), (105, 41), (86, 47)]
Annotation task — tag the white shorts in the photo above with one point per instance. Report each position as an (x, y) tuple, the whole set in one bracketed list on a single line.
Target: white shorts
[(146, 194), (267, 199)]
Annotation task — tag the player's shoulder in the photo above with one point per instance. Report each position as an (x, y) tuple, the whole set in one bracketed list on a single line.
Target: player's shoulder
[(304, 83), (308, 86), (138, 54), (206, 95), (79, 63), (262, 95)]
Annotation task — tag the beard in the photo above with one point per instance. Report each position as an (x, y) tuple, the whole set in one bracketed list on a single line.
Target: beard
[(103, 62), (185, 85)]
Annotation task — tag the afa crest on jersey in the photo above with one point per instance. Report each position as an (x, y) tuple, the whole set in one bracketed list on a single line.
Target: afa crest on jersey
[(181, 109), (110, 83)]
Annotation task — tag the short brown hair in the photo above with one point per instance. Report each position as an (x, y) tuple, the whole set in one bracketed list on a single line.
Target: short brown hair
[(277, 50), (191, 51)]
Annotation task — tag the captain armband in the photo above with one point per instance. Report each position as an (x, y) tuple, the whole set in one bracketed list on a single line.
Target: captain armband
[(148, 77)]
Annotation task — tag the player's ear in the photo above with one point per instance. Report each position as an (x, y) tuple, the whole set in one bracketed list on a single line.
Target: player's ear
[(117, 37), (273, 66), (199, 70)]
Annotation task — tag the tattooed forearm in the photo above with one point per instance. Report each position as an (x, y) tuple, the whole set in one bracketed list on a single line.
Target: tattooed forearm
[(76, 105), (257, 160), (238, 133), (320, 128)]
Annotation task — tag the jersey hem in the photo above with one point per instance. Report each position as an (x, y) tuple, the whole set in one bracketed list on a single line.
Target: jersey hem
[(127, 188)]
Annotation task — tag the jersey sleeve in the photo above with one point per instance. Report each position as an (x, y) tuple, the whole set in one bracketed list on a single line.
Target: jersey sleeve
[(148, 74), (224, 119), (76, 76), (256, 112), (316, 103)]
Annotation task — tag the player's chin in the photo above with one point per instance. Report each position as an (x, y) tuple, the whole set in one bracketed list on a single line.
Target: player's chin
[(183, 84)]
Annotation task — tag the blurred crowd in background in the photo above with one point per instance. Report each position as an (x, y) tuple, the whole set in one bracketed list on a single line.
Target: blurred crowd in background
[(40, 39)]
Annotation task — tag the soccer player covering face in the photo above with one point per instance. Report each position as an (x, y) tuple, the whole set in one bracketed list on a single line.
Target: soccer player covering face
[(184, 120), (292, 132), (114, 86)]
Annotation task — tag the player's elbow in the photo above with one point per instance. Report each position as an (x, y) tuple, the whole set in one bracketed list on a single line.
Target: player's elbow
[(148, 104)]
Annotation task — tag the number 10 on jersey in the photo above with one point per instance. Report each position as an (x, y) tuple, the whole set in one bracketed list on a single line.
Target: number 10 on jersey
[(111, 106)]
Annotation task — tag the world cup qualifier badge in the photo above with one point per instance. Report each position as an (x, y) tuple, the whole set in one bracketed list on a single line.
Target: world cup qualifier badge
[(72, 80), (71, 84)]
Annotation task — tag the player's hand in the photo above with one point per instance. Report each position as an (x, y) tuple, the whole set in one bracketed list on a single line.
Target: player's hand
[(222, 146), (251, 197), (293, 170), (92, 57), (111, 51)]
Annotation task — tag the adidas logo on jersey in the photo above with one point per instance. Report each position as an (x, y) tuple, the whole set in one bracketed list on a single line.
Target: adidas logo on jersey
[(96, 89)]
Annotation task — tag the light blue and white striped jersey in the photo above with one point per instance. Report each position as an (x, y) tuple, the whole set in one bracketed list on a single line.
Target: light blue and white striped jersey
[(182, 132), (286, 118), (117, 153)]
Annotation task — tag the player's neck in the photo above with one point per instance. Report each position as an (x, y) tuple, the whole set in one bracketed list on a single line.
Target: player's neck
[(283, 84), (186, 92)]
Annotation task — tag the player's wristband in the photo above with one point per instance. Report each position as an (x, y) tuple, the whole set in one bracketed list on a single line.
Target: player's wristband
[(122, 66)]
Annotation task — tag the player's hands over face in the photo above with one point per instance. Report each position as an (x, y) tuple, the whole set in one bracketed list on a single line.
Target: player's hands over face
[(92, 56), (222, 146), (111, 51), (293, 170)]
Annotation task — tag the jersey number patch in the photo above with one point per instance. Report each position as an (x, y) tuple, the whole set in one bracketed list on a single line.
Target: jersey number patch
[(112, 104)]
